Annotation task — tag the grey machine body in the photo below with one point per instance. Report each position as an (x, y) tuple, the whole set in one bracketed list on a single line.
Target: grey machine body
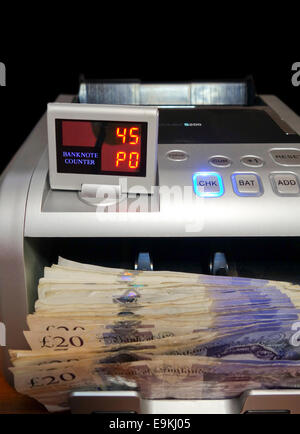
[(36, 221)]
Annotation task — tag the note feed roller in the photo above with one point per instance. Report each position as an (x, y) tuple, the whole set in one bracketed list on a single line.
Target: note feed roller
[(200, 177)]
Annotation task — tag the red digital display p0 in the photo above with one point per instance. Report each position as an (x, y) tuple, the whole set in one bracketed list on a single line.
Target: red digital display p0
[(101, 147), (125, 152)]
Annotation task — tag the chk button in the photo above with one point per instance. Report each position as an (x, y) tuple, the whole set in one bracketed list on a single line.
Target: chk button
[(208, 184)]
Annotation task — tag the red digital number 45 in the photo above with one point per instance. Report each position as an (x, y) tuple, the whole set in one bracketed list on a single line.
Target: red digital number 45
[(133, 134)]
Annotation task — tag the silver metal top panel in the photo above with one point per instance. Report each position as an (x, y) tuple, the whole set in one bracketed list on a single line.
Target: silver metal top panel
[(209, 93)]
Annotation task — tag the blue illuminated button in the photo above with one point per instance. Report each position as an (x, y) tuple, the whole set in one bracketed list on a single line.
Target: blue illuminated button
[(208, 184)]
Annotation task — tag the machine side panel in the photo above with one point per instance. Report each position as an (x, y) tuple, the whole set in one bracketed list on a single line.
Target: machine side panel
[(283, 111), (14, 187)]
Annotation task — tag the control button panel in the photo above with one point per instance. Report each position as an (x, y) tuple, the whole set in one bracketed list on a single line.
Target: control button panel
[(219, 161), (286, 157), (252, 161), (247, 184), (285, 184), (208, 184)]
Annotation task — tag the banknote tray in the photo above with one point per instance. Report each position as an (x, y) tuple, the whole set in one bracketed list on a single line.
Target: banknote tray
[(285, 401), (272, 258)]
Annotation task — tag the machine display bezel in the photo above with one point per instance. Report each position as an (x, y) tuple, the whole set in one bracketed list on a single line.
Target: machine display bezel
[(72, 179)]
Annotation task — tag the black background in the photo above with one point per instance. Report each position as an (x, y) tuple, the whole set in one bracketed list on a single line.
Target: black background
[(46, 60), (45, 56)]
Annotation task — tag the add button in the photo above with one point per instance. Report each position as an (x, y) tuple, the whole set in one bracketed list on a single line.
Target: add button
[(285, 184)]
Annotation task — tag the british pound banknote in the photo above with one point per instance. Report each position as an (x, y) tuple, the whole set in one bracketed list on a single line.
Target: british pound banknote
[(166, 334)]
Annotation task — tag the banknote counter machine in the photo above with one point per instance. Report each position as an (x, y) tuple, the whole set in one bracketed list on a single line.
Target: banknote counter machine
[(195, 177)]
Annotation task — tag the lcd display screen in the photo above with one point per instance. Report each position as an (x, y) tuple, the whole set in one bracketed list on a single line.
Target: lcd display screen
[(101, 147)]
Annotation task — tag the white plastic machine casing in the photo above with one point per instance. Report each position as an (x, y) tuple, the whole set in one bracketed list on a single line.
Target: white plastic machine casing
[(29, 209)]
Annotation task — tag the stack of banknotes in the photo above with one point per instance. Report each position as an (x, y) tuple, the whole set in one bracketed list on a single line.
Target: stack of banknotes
[(165, 334)]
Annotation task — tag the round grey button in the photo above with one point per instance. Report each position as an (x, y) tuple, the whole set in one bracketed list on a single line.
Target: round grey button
[(177, 155), (252, 161), (219, 161)]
